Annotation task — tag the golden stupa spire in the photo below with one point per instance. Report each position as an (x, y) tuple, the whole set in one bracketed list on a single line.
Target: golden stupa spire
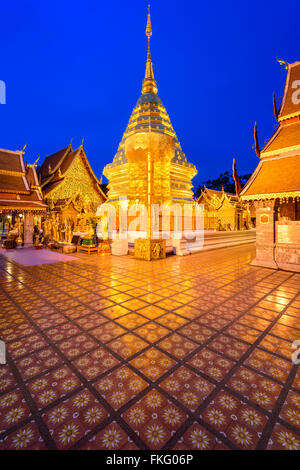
[(149, 83)]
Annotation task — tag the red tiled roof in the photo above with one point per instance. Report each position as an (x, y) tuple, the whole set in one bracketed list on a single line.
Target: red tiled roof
[(31, 175), (18, 184), (290, 104), (64, 159), (22, 205), (11, 161), (54, 161), (67, 162), (274, 176), (13, 183), (285, 137)]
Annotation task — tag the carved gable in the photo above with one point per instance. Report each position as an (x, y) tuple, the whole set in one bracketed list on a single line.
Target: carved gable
[(77, 181)]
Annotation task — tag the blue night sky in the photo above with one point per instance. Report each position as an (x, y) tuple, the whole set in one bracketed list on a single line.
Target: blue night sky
[(75, 69)]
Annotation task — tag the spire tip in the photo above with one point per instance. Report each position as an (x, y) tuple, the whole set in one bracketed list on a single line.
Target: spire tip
[(149, 84), (149, 27)]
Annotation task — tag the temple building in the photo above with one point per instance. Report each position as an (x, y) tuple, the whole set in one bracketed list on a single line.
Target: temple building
[(21, 199), (274, 187), (72, 192), (149, 164), (225, 211)]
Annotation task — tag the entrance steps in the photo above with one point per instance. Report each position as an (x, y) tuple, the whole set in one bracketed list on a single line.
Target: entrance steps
[(214, 240), (211, 241)]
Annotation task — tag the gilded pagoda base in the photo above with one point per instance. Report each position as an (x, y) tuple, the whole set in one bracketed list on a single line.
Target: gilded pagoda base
[(119, 247), (150, 249)]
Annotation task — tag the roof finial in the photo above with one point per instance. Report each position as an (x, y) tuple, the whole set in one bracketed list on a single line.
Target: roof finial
[(149, 83), (35, 163), (283, 62), (275, 112), (256, 144), (149, 27)]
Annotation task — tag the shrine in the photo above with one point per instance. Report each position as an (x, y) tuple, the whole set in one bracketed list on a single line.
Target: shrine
[(149, 167), (224, 211), (21, 200), (73, 194), (274, 187)]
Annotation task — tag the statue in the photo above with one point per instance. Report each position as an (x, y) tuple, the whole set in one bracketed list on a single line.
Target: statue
[(89, 240), (105, 229), (69, 232), (55, 228), (156, 250)]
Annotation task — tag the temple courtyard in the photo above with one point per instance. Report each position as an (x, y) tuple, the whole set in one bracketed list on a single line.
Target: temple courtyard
[(107, 352)]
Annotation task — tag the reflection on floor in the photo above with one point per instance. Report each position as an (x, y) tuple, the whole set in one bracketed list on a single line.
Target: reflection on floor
[(116, 353), (33, 257)]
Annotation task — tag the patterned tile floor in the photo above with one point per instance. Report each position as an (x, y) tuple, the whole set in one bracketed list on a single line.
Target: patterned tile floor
[(184, 353)]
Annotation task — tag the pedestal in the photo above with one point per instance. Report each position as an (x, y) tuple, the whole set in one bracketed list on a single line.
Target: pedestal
[(180, 248), (119, 247), (287, 249), (265, 234), (89, 249), (150, 249), (69, 248)]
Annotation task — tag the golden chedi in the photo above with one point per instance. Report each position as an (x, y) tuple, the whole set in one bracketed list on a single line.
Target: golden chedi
[(149, 166)]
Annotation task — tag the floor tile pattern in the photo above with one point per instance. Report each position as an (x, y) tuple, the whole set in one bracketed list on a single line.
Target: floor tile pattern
[(115, 353)]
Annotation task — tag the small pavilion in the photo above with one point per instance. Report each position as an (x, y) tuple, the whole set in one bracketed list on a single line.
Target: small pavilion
[(274, 187), (72, 192), (225, 211), (21, 199)]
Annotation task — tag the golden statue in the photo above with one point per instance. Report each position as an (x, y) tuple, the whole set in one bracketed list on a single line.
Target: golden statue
[(104, 228)]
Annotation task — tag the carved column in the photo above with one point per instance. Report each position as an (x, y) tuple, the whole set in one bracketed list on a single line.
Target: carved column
[(265, 234), (28, 229)]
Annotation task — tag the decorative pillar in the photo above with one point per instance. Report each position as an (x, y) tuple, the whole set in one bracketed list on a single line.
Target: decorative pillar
[(28, 229), (265, 234)]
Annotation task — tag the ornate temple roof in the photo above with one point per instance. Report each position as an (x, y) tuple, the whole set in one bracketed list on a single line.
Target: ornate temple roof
[(215, 197), (31, 176), (149, 114), (285, 138), (290, 104), (279, 177), (17, 184), (278, 173), (51, 163), (55, 167), (19, 187), (11, 161)]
